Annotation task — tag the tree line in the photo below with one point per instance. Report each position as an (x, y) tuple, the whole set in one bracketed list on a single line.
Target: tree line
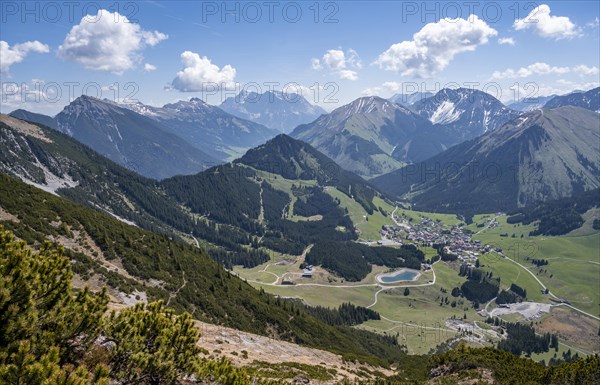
[(559, 216), (480, 286), (346, 314), (353, 261), (521, 338)]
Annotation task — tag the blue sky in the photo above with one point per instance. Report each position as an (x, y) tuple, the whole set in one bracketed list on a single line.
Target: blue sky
[(333, 52)]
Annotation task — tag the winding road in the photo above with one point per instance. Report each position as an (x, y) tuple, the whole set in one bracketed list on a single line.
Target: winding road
[(549, 292), (488, 225), (382, 287)]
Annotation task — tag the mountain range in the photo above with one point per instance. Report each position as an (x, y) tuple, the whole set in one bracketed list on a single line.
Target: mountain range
[(585, 99), (29, 116), (371, 136), (530, 104), (589, 100), (208, 128), (130, 139), (273, 109), (464, 113), (541, 155), (57, 163), (158, 142)]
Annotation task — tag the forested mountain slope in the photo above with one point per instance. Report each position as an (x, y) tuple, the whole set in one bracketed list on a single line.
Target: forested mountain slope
[(131, 260)]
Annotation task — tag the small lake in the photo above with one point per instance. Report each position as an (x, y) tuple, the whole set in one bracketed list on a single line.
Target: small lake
[(398, 276)]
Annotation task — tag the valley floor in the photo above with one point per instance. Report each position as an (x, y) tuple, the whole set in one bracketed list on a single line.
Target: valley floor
[(423, 319)]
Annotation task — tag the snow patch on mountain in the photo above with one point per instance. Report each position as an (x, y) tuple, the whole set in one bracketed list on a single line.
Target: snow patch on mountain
[(53, 181), (445, 113)]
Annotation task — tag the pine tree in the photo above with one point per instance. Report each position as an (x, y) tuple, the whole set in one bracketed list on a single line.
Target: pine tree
[(44, 329), (51, 336), (151, 345)]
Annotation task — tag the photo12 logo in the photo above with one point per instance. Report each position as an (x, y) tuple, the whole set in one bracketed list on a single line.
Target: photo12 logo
[(39, 91), (269, 11), (436, 332), (514, 251), (253, 92), (66, 11), (489, 11), (270, 170), (527, 92), (453, 173)]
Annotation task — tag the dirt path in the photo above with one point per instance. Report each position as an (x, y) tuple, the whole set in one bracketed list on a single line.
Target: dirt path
[(277, 277), (402, 323), (394, 218), (174, 294), (488, 304), (530, 273), (384, 287), (261, 215), (376, 298), (93, 251)]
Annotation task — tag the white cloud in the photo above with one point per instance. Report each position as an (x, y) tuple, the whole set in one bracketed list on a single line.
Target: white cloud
[(506, 40), (388, 88), (342, 64), (544, 69), (372, 91), (561, 87), (348, 75), (199, 73), (17, 53), (149, 67), (584, 70), (107, 42), (393, 86), (546, 25), (335, 59), (315, 64), (593, 24), (532, 69), (570, 86), (352, 59), (435, 45), (49, 97), (153, 38)]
